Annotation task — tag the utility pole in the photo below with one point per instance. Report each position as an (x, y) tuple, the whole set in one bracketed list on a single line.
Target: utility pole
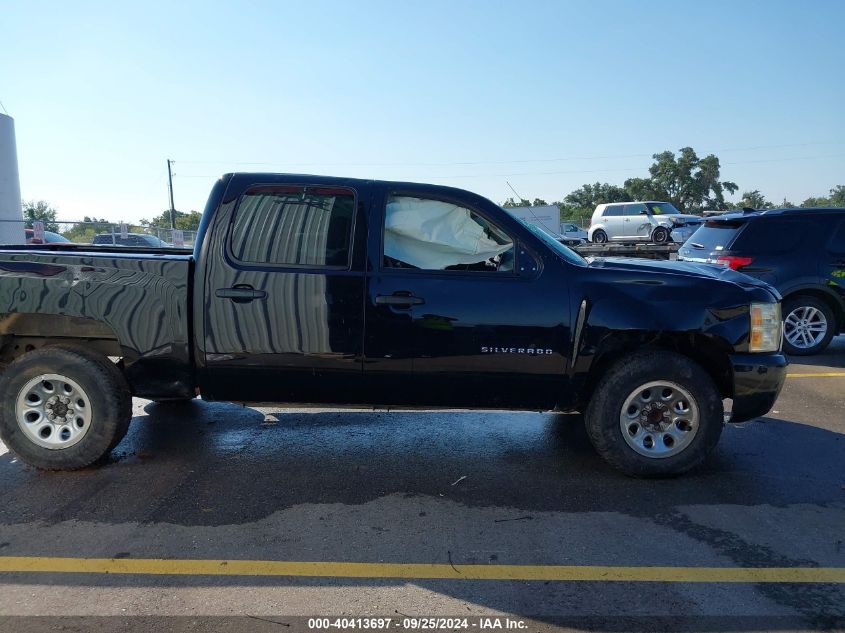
[(172, 208)]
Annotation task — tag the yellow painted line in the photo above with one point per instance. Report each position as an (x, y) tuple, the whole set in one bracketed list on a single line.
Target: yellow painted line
[(828, 374), (411, 571)]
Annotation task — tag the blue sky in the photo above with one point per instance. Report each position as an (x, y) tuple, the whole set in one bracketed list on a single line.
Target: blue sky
[(545, 95)]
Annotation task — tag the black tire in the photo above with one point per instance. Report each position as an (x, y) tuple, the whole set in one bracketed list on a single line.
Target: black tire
[(605, 409), (795, 304), (660, 235), (599, 237), (105, 388)]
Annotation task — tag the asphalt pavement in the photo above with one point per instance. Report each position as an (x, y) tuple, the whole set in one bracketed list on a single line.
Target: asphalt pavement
[(214, 516)]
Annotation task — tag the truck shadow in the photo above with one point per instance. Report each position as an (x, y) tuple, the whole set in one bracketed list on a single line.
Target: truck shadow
[(217, 465), (173, 464)]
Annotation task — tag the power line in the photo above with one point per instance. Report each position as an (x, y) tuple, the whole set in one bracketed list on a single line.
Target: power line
[(497, 162), (514, 190), (632, 169)]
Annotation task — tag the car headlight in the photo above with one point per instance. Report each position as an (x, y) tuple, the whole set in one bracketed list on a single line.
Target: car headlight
[(766, 327)]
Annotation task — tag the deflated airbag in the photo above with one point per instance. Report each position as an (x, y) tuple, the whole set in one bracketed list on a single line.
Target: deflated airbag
[(433, 235)]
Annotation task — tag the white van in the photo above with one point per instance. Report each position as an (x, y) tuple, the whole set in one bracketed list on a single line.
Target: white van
[(657, 222)]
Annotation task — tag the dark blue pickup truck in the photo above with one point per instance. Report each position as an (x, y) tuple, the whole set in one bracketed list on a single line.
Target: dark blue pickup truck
[(310, 289)]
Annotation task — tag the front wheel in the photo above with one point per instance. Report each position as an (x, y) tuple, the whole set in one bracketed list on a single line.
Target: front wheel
[(63, 408), (660, 235), (655, 414)]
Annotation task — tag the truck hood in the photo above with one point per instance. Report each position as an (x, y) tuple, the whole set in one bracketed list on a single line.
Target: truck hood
[(652, 270)]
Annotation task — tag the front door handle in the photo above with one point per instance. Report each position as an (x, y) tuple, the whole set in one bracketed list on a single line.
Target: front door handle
[(242, 293), (399, 299)]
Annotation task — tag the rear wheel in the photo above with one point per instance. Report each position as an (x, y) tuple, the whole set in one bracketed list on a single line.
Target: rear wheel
[(655, 414), (808, 325), (63, 408), (599, 237)]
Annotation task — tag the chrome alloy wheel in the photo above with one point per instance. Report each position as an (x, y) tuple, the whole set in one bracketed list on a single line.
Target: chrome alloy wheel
[(53, 411), (659, 419), (805, 327)]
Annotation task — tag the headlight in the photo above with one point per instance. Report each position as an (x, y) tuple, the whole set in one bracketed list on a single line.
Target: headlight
[(766, 327)]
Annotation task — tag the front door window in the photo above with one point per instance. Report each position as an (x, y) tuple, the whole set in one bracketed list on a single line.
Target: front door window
[(436, 235)]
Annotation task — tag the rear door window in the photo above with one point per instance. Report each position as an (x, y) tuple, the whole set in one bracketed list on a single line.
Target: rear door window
[(612, 210), (635, 209), (771, 235), (294, 226), (837, 240)]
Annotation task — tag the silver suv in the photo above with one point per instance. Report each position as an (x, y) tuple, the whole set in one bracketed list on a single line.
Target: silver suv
[(658, 222)]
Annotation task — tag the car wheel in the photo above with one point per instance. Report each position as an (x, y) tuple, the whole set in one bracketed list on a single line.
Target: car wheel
[(660, 235), (655, 414), (63, 408), (808, 325), (599, 237)]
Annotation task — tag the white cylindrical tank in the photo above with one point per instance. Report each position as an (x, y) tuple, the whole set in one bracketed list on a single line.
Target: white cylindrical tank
[(11, 216)]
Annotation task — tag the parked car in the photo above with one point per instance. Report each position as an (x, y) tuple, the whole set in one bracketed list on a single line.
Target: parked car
[(572, 234), (658, 222), (311, 289), (142, 240), (49, 237), (801, 252)]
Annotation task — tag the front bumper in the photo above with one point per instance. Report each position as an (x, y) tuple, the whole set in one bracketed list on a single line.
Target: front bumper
[(757, 380)]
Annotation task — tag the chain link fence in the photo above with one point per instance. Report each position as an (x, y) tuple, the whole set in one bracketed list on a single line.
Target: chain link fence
[(127, 234), (92, 232)]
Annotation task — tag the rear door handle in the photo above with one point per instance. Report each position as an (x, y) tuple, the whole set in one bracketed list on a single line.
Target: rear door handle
[(242, 293), (400, 299)]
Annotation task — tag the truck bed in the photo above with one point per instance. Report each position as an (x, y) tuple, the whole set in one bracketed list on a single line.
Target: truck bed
[(132, 303)]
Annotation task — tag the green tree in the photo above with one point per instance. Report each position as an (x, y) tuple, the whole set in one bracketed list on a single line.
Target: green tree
[(644, 189), (185, 221), (84, 232), (687, 181), (582, 202), (512, 203), (837, 196), (755, 200), (40, 210), (815, 202)]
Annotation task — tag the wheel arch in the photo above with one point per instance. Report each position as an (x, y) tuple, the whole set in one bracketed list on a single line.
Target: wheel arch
[(821, 294), (594, 229), (23, 332), (709, 352)]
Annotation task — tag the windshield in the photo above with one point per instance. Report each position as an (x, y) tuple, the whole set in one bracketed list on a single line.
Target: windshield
[(663, 208), (564, 251)]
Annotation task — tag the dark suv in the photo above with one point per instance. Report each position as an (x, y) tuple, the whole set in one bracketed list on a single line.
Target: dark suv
[(801, 252)]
